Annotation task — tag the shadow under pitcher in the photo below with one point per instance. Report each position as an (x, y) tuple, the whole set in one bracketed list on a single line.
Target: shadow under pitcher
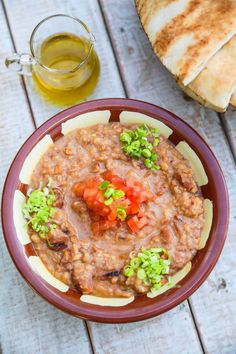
[(63, 63)]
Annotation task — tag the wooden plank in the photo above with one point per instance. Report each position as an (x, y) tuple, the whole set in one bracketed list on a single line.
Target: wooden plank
[(164, 334), (110, 85), (88, 11), (27, 323), (229, 121), (145, 78)]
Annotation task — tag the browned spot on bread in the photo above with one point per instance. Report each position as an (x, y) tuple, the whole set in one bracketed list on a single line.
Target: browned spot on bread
[(146, 9), (207, 21)]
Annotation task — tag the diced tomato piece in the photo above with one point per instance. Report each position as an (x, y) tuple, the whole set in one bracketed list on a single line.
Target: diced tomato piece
[(94, 204), (105, 216), (100, 197), (80, 189), (134, 208), (133, 224), (112, 215), (90, 193), (137, 224), (142, 222), (104, 211), (108, 175), (117, 181), (93, 182), (129, 192)]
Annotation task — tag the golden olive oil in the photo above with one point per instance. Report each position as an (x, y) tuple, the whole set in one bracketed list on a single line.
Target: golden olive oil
[(68, 69)]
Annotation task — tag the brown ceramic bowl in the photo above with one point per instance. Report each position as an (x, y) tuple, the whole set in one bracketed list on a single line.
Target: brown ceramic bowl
[(143, 307)]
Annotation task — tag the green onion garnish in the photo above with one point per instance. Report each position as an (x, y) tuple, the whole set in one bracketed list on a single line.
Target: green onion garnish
[(108, 192), (121, 213), (139, 144), (117, 194), (103, 185), (151, 265), (38, 210), (109, 201)]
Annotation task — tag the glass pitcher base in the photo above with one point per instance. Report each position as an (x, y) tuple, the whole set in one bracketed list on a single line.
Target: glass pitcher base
[(67, 98)]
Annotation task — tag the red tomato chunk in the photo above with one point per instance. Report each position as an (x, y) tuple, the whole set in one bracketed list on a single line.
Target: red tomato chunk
[(112, 200)]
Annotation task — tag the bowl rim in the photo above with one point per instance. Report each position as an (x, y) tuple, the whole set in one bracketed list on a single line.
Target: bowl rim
[(97, 313)]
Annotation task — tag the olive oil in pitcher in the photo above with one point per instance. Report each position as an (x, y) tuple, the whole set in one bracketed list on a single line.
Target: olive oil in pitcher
[(68, 68)]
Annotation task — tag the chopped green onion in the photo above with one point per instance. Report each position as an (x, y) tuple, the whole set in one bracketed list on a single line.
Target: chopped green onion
[(128, 271), (126, 137), (148, 163), (121, 213), (149, 266), (155, 131), (141, 274), (108, 201), (155, 141), (156, 167), (139, 143), (108, 193), (103, 185), (146, 153), (38, 210), (154, 156), (117, 194), (149, 146)]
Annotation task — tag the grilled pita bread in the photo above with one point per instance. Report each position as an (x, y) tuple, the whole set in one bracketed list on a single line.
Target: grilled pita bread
[(233, 99), (185, 34), (216, 83)]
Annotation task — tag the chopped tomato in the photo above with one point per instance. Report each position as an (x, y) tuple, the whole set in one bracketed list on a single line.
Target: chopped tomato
[(90, 193), (134, 208), (142, 222), (80, 189), (93, 182), (100, 197), (112, 216), (137, 224), (108, 175), (105, 215), (117, 181), (133, 224)]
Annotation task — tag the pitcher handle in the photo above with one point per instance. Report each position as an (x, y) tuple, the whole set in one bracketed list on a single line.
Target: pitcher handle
[(20, 63)]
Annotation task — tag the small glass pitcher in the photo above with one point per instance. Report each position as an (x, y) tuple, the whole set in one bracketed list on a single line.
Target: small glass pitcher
[(62, 62)]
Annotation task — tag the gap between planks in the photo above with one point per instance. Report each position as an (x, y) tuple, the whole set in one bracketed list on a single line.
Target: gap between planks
[(21, 76), (124, 87), (127, 95), (223, 119), (34, 123)]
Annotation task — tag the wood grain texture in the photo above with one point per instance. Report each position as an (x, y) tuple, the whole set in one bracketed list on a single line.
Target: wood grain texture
[(110, 85), (50, 330), (164, 334), (27, 323), (145, 78), (229, 121), (88, 11)]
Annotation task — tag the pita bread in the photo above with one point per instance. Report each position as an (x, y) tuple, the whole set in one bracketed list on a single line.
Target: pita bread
[(185, 34), (233, 99), (216, 83)]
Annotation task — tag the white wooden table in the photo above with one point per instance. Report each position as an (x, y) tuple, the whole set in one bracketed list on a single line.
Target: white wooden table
[(204, 323)]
